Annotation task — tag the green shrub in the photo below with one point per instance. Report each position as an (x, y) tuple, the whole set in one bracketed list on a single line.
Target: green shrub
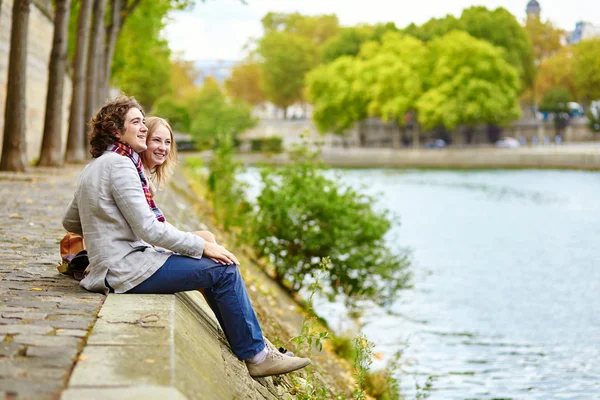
[(303, 216), (227, 193), (380, 385), (343, 347), (267, 145)]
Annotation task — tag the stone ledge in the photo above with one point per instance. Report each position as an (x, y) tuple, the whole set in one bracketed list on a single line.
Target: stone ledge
[(152, 346)]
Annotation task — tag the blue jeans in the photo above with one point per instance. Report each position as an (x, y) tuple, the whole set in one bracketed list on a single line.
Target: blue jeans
[(224, 290)]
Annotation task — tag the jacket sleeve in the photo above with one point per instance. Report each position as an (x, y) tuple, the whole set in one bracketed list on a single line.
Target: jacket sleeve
[(71, 221), (129, 197)]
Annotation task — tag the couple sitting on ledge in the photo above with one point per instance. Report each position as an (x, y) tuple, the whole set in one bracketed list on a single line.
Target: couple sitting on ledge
[(114, 210)]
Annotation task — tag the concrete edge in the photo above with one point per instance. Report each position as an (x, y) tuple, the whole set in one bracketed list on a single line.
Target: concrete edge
[(151, 347)]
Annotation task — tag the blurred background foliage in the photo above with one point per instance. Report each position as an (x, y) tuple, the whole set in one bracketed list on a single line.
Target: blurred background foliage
[(482, 66)]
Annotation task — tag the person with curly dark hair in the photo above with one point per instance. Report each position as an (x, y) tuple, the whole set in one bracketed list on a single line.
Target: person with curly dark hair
[(114, 210)]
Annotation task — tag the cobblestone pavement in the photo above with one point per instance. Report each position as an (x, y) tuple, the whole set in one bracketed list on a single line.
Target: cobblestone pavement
[(44, 316)]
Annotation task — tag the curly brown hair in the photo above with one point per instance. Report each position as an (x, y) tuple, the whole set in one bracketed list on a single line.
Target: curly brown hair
[(109, 123)]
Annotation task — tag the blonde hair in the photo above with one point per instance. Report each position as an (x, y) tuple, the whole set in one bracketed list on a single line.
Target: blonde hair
[(162, 173)]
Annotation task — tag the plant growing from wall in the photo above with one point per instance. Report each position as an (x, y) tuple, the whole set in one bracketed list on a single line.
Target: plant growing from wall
[(303, 216)]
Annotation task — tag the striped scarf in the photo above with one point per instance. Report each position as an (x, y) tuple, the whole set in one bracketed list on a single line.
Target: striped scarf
[(126, 150)]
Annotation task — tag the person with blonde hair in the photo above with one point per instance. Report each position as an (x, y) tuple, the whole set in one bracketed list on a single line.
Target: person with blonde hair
[(160, 159)]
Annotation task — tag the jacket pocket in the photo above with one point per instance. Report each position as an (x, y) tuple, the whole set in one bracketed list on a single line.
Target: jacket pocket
[(138, 245)]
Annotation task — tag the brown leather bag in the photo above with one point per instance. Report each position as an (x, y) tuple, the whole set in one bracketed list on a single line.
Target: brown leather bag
[(72, 243), (73, 256)]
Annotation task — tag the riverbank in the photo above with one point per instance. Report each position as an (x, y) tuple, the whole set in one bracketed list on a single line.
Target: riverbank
[(59, 341), (561, 157)]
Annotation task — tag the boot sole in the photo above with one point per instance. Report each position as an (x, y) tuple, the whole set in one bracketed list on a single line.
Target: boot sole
[(281, 373)]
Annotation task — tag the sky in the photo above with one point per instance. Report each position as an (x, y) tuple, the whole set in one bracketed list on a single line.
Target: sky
[(219, 29)]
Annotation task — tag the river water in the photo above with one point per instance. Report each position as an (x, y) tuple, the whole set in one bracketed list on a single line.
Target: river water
[(506, 297)]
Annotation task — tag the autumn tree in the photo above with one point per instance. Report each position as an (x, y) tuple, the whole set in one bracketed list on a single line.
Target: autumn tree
[(173, 105), (470, 83), (545, 38), (183, 77), (246, 83), (586, 69), (51, 152), (556, 71), (14, 152)]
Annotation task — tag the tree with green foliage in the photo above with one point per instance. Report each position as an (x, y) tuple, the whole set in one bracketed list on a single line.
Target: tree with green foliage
[(286, 58), (434, 28), (316, 28), (296, 229), (470, 83), (213, 114), (175, 110), (143, 71), (586, 68), (338, 99), (349, 40), (394, 75), (556, 101), (500, 28), (346, 43)]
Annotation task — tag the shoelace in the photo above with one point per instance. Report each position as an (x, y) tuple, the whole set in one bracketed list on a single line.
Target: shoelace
[(285, 351)]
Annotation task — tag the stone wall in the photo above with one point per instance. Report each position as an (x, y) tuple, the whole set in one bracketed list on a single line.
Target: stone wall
[(39, 46), (549, 156), (377, 134)]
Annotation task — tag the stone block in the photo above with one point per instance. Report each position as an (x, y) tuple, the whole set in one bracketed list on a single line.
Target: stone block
[(184, 356), (80, 333), (52, 352), (59, 324), (10, 349), (24, 315), (38, 340), (26, 329), (142, 320), (146, 392)]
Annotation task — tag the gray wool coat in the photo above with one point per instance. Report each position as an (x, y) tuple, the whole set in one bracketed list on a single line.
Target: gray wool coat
[(110, 210)]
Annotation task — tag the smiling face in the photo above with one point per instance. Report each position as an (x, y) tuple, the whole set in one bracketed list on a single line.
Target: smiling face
[(134, 132), (159, 147)]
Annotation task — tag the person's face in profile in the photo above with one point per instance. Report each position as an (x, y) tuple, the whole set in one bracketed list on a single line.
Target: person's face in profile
[(135, 131)]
